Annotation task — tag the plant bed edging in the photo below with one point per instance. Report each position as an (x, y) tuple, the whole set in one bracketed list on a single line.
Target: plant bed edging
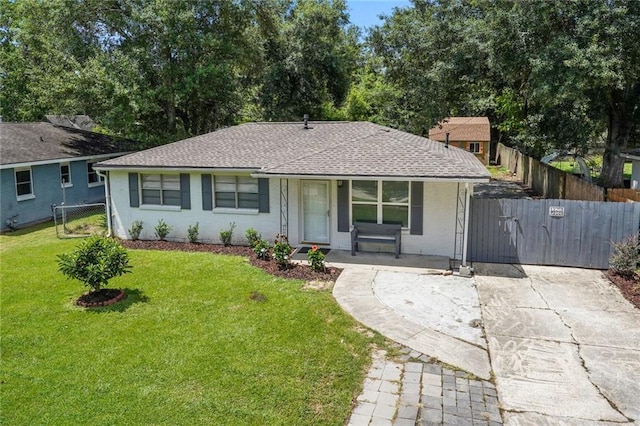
[(109, 299)]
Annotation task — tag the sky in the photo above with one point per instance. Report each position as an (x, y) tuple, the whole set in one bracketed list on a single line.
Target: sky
[(364, 13)]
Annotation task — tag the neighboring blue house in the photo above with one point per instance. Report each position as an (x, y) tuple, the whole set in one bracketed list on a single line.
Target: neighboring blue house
[(42, 164)]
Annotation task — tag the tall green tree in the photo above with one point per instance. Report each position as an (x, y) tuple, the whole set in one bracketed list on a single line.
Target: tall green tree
[(551, 75), (568, 73), (39, 66), (606, 55), (190, 58), (433, 54), (154, 70), (310, 61)]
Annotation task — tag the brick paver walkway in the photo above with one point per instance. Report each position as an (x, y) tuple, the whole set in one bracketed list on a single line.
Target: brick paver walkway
[(409, 392)]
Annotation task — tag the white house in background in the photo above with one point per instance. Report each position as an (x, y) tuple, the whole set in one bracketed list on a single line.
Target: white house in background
[(310, 182), (634, 157)]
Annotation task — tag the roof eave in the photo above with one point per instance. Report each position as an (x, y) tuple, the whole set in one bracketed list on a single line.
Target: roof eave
[(96, 157), (143, 168), (474, 179), (630, 156)]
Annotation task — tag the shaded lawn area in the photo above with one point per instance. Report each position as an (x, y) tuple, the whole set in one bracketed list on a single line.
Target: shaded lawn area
[(190, 345), (595, 162)]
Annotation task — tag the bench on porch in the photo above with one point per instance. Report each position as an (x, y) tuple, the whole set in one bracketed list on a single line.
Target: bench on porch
[(375, 233)]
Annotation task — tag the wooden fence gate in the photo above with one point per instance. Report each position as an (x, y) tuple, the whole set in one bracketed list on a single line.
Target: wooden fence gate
[(548, 232)]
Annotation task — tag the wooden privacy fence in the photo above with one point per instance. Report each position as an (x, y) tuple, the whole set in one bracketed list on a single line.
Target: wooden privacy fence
[(549, 232), (547, 180), (623, 195)]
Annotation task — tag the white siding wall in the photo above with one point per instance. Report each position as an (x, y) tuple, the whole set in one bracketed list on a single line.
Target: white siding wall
[(210, 222), (438, 233), (440, 201), (438, 224)]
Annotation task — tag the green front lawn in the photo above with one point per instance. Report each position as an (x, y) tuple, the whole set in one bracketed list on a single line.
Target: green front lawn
[(190, 345)]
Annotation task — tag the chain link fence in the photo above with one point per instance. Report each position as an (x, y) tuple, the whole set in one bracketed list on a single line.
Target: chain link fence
[(82, 220)]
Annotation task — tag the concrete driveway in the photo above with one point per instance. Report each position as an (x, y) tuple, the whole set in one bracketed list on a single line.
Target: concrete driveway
[(562, 344)]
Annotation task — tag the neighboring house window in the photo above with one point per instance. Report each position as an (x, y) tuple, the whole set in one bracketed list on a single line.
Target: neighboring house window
[(65, 175), (474, 147), (239, 192), (161, 190), (92, 176), (380, 202), (24, 184)]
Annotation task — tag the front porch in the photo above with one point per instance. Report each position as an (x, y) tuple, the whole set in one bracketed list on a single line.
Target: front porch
[(373, 260)]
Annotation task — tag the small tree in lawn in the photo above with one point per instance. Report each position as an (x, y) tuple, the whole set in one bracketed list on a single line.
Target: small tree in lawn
[(95, 261)]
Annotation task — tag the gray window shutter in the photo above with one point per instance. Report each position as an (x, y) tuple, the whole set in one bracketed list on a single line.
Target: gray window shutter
[(185, 191), (207, 196), (343, 207), (134, 196), (263, 195), (417, 191)]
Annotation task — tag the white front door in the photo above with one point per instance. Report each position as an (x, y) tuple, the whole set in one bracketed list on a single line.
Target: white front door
[(315, 211)]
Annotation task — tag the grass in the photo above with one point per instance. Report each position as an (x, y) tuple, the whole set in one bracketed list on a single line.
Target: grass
[(201, 339), (595, 164), (568, 166), (499, 172)]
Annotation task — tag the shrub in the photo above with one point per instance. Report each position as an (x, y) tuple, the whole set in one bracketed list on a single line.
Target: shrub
[(316, 259), (261, 249), (282, 251), (136, 229), (252, 236), (95, 261), (162, 229), (227, 234), (626, 256), (192, 232)]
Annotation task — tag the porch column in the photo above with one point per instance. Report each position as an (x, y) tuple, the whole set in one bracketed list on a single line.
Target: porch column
[(467, 196), (284, 207)]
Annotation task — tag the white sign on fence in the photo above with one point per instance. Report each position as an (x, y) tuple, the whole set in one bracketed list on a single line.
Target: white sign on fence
[(556, 211)]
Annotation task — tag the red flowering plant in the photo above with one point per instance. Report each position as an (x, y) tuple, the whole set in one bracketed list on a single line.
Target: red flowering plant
[(316, 259)]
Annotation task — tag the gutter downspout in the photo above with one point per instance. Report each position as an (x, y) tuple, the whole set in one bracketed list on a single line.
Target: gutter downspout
[(107, 197), (465, 239)]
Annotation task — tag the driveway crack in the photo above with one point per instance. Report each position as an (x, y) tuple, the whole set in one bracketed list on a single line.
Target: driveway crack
[(579, 349)]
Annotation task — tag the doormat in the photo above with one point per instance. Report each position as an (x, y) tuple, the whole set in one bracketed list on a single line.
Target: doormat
[(304, 250)]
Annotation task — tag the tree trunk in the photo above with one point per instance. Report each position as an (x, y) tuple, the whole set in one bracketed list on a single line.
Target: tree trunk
[(618, 131)]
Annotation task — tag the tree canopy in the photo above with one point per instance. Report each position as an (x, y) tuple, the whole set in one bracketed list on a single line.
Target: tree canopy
[(550, 75)]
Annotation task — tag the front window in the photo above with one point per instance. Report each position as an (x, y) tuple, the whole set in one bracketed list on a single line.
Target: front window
[(380, 202), (237, 192), (24, 187), (65, 174), (474, 147), (161, 190), (92, 176)]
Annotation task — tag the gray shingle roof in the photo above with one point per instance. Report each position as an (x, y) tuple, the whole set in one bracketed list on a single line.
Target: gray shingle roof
[(325, 149), (30, 142)]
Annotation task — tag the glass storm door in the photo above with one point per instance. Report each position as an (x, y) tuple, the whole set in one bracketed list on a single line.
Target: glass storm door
[(315, 211)]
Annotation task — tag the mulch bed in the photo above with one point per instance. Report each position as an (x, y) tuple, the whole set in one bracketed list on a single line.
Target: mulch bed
[(295, 271), (629, 287), (102, 297)]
